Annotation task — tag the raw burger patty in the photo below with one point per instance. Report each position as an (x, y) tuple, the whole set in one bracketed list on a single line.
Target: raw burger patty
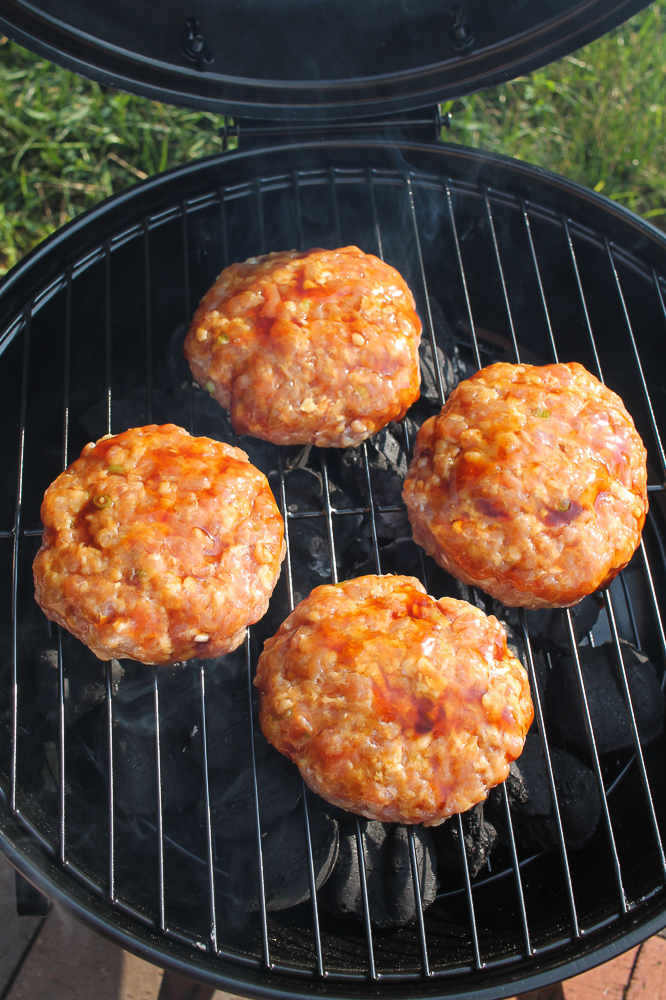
[(158, 546), (394, 705), (531, 484), (308, 348)]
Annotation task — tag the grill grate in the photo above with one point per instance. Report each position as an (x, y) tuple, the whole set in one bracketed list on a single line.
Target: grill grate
[(515, 280)]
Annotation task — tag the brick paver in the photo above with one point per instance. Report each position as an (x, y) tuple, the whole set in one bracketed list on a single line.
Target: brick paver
[(16, 933), (606, 982), (648, 981), (70, 962)]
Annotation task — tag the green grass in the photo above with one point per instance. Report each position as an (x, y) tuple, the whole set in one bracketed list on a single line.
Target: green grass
[(66, 143), (596, 117)]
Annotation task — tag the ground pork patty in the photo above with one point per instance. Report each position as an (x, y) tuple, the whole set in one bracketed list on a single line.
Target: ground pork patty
[(158, 546), (308, 348), (394, 705), (531, 484)]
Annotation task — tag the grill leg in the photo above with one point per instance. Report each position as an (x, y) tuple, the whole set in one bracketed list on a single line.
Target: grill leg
[(30, 902), (176, 988)]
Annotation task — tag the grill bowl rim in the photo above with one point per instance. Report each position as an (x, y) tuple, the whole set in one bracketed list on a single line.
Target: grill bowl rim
[(67, 245)]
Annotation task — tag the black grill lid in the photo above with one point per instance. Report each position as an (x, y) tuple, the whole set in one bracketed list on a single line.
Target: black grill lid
[(306, 59)]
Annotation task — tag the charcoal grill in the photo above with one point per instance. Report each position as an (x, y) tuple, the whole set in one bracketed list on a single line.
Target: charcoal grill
[(518, 264)]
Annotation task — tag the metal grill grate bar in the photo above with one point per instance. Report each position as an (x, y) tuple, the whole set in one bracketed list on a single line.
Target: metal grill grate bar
[(160, 816), (260, 215), (516, 870), (595, 760), (66, 369), (265, 949), (468, 892), (461, 268), (287, 558), (638, 750), (537, 272), (224, 229), (62, 830), (313, 882), (660, 296), (426, 298), (581, 295), (336, 208), (61, 678), (538, 711), (505, 294), (360, 850), (207, 819), (148, 320), (27, 320), (630, 609), (371, 501), (639, 366), (328, 512), (187, 314), (107, 332), (370, 178), (417, 902), (306, 816), (112, 838), (297, 207), (653, 594)]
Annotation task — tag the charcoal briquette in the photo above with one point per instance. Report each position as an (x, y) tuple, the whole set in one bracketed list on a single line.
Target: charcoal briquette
[(178, 689), (232, 793), (604, 691), (402, 556), (479, 836), (388, 874), (448, 371), (135, 769), (451, 367), (528, 790), (516, 645), (305, 486), (227, 730), (335, 812), (84, 677), (549, 625), (387, 461), (285, 862), (129, 411)]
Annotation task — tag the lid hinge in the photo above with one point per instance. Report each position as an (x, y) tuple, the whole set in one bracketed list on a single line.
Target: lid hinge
[(194, 48), (424, 124)]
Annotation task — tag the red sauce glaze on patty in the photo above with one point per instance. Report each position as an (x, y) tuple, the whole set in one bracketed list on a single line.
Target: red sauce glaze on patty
[(394, 705), (531, 484), (158, 546), (308, 348)]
